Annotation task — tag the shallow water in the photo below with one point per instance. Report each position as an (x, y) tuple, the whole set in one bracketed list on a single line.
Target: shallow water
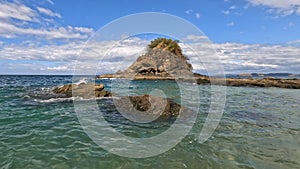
[(259, 129)]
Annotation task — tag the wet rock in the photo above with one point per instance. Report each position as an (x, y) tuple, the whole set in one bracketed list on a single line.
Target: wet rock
[(151, 105), (82, 90)]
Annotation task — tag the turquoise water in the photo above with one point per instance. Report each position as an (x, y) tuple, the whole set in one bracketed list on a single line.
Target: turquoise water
[(259, 129)]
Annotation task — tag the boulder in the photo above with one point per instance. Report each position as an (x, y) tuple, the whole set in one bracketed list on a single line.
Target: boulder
[(82, 90), (150, 105)]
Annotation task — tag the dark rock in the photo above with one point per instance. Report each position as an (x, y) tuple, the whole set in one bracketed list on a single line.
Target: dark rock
[(150, 105)]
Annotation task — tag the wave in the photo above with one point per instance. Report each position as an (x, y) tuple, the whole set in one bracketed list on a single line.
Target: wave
[(82, 81), (69, 99)]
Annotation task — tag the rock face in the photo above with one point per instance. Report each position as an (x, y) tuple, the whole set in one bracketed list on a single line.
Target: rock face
[(163, 61), (150, 105), (82, 90), (159, 64)]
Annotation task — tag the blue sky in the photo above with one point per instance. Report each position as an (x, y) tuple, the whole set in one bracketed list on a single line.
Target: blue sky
[(45, 37)]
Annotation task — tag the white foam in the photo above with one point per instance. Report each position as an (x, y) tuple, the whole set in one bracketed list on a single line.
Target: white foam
[(53, 100), (82, 81)]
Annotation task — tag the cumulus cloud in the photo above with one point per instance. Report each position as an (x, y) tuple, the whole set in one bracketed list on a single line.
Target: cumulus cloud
[(284, 7), (195, 38), (294, 42), (17, 20), (48, 12), (8, 30), (240, 58), (111, 55), (18, 11)]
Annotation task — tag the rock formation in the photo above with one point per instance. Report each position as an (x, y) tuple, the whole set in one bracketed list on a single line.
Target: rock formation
[(82, 90), (152, 107), (163, 61), (149, 105)]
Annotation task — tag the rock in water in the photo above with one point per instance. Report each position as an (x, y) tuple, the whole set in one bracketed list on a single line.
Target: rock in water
[(82, 90), (148, 105)]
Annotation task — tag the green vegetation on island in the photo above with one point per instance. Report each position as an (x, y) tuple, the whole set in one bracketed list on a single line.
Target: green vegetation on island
[(167, 45)]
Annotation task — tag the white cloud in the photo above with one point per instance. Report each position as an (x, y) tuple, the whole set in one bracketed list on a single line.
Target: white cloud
[(12, 31), (18, 11), (230, 24), (18, 20), (282, 7), (227, 12), (84, 29), (232, 7), (189, 11), (50, 2), (113, 55), (59, 68), (195, 38), (293, 42), (231, 10), (243, 58), (48, 12), (259, 58)]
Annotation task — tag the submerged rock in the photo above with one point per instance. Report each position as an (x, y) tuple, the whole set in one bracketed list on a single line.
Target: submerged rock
[(150, 106), (82, 90)]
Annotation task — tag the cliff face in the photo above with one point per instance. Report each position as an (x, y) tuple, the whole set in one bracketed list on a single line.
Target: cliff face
[(163, 60), (159, 63)]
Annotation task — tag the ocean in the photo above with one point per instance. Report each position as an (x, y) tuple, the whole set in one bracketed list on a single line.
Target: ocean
[(259, 129)]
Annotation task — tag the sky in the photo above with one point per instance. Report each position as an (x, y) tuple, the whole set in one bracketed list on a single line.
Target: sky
[(48, 36)]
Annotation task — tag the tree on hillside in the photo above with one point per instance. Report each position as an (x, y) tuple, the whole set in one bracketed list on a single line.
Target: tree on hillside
[(167, 45)]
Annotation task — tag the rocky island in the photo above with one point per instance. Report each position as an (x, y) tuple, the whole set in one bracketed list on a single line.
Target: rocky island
[(163, 61)]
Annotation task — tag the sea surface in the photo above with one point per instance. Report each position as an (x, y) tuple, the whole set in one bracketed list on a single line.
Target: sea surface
[(260, 128)]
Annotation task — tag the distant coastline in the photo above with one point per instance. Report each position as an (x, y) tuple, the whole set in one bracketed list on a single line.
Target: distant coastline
[(265, 75)]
